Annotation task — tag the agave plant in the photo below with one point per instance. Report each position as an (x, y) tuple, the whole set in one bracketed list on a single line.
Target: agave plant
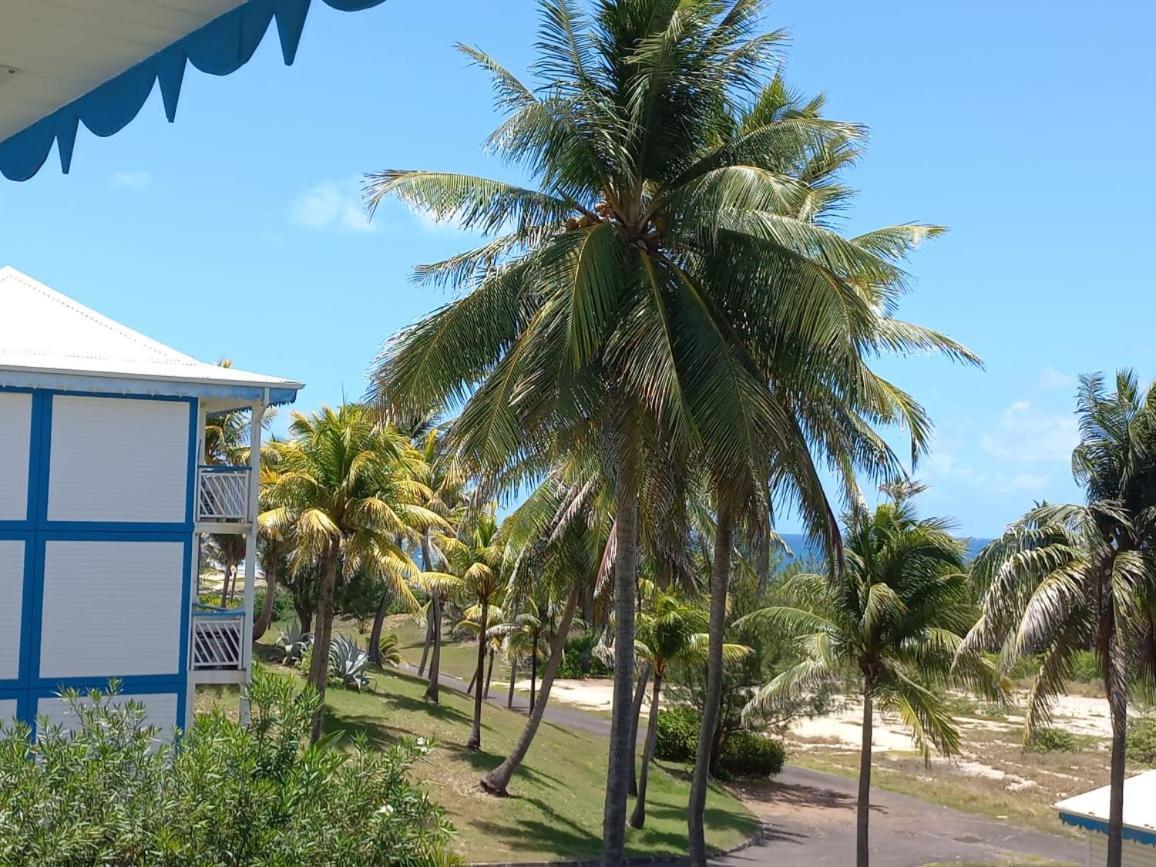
[(293, 643), (347, 662)]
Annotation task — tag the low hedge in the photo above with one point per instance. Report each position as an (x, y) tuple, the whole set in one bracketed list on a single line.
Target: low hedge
[(742, 753)]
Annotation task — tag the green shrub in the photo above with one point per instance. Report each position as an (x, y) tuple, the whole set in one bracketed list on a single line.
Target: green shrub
[(282, 605), (747, 754), (113, 792), (676, 736), (1140, 744), (1086, 667), (580, 660), (1054, 740)]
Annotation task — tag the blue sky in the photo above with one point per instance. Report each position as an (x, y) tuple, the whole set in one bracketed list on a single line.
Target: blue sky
[(1024, 127)]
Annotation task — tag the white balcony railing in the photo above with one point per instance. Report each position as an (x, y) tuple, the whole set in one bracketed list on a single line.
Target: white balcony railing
[(222, 493), (218, 634)]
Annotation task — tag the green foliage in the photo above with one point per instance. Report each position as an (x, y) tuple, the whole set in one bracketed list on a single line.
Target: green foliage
[(580, 660), (1086, 667), (389, 649), (282, 604), (751, 754), (115, 791), (1141, 742), (358, 596), (347, 663), (676, 738), (1048, 739)]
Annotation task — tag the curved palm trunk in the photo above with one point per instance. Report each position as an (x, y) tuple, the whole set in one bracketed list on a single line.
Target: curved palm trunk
[(261, 624), (319, 667), (496, 781), (638, 817), (636, 712), (429, 612), (431, 691), (489, 674), (513, 680), (720, 578), (475, 741), (534, 675), (374, 649), (618, 766), (1118, 704), (863, 814)]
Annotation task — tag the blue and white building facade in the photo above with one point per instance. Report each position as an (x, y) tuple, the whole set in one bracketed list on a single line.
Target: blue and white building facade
[(104, 495), (1089, 813)]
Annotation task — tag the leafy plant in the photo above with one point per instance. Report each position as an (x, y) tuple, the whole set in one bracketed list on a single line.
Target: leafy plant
[(1047, 739), (347, 662), (114, 790), (293, 644), (390, 649), (752, 754), (1141, 742), (580, 659), (676, 737)]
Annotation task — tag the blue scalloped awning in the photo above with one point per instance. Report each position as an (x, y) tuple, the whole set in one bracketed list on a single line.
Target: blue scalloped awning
[(220, 47)]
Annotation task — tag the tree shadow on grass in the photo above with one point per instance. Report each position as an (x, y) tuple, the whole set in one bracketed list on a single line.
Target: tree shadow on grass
[(559, 836)]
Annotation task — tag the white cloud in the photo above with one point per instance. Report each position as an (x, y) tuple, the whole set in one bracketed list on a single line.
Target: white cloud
[(1050, 378), (1029, 435), (944, 466), (330, 205), (135, 180)]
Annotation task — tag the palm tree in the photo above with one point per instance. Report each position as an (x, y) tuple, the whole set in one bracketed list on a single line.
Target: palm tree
[(892, 622), (347, 491), (670, 632), (476, 559), (665, 282), (274, 544), (1067, 577)]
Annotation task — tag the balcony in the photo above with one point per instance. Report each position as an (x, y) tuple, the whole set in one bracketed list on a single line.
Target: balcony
[(218, 638), (222, 494)]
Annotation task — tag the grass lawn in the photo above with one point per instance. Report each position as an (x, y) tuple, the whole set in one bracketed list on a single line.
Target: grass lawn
[(555, 806), (458, 658)]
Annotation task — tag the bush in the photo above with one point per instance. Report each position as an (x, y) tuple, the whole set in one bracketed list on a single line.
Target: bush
[(1140, 744), (676, 737), (579, 659), (747, 754), (1086, 667), (115, 792), (282, 605), (1054, 740)]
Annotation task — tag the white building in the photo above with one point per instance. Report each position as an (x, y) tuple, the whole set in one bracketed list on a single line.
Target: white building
[(1089, 811), (103, 496)]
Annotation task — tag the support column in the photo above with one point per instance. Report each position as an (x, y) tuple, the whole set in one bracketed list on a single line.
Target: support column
[(258, 412)]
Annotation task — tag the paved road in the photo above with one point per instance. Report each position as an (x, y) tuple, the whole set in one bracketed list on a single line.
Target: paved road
[(810, 817)]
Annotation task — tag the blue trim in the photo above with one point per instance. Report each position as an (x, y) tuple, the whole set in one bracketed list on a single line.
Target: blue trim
[(1136, 835), (220, 47)]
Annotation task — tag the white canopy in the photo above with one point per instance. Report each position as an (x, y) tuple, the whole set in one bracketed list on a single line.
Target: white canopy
[(1139, 803)]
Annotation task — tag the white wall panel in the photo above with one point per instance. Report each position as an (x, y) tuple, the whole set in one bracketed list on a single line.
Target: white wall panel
[(15, 437), (111, 608), (160, 710), (11, 605), (7, 710), (118, 459)]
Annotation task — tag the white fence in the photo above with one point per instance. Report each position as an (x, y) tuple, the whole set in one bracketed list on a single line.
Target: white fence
[(222, 493), (218, 634)]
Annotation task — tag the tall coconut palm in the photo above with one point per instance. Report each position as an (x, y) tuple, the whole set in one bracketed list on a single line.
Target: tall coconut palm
[(274, 542), (476, 558), (891, 623), (663, 280), (670, 632), (1067, 577), (347, 491)]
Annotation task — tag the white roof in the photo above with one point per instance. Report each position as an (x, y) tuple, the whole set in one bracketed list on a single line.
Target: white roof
[(48, 335), (1139, 802), (58, 50)]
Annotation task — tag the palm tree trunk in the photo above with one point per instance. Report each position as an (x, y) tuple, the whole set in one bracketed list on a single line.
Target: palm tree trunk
[(225, 582), (625, 567), (1118, 704), (489, 673), (319, 667), (638, 817), (534, 675), (636, 712), (475, 741), (720, 578), (429, 612), (435, 662), (513, 679), (496, 781), (261, 624), (863, 816), (378, 623)]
